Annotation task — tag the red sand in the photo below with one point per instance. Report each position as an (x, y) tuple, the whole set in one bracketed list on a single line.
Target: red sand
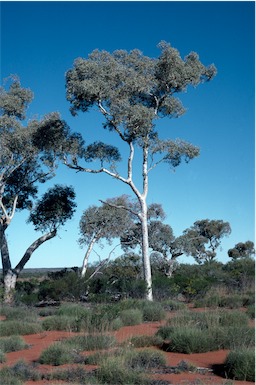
[(39, 342)]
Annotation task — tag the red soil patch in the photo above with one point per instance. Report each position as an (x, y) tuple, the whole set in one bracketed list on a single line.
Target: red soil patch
[(39, 342)]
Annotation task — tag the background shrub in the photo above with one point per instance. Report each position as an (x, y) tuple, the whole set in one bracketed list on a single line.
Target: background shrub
[(90, 342), (12, 344), (131, 317), (2, 357), (58, 354), (240, 365), (8, 328)]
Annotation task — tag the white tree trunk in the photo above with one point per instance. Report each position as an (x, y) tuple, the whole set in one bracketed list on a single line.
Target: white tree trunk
[(145, 251), (10, 280), (86, 257)]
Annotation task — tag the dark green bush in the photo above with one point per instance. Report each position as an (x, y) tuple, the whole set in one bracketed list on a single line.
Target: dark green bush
[(76, 375), (59, 354), (12, 344), (240, 365), (91, 342), (66, 323), (114, 370), (2, 357), (8, 328), (8, 377), (131, 317), (191, 340), (145, 341), (145, 359)]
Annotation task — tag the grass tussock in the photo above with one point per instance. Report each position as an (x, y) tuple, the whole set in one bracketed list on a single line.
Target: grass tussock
[(21, 327), (240, 365), (207, 331), (12, 344)]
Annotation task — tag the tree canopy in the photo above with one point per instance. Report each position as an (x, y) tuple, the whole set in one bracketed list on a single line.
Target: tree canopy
[(203, 238), (132, 91)]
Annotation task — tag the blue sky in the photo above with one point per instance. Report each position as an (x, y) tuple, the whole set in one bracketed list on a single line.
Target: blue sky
[(39, 42)]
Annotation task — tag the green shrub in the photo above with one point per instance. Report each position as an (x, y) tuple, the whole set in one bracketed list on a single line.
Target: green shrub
[(12, 344), (22, 313), (58, 354), (91, 342), (170, 305), (8, 328), (251, 311), (145, 341), (62, 322), (74, 375), (131, 317), (116, 324), (114, 370), (74, 310), (2, 357), (240, 365), (145, 359), (152, 311), (19, 372), (191, 340), (25, 371), (209, 319), (234, 337), (8, 377)]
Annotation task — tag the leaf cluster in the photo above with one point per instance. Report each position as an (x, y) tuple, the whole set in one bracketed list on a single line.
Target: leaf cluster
[(54, 208)]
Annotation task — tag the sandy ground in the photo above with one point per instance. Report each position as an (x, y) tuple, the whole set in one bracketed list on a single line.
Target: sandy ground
[(39, 342)]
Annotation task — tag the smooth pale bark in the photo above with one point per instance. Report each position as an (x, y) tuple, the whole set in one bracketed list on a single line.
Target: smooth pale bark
[(11, 275), (145, 251), (86, 257)]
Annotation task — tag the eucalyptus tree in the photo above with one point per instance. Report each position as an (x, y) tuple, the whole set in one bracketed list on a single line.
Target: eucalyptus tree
[(50, 212), (132, 91), (242, 250), (104, 222), (202, 240), (28, 153)]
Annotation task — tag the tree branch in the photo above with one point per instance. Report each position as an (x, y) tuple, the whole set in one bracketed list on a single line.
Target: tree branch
[(32, 248), (120, 207)]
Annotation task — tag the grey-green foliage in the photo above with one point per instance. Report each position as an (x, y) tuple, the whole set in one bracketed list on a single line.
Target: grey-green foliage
[(207, 331), (240, 365), (132, 91), (203, 239), (12, 344)]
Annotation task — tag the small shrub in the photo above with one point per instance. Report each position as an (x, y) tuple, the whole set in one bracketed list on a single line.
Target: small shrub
[(22, 313), (8, 377), (170, 305), (12, 344), (62, 322), (234, 337), (91, 342), (165, 332), (145, 359), (145, 341), (131, 317), (114, 370), (116, 324), (2, 357), (24, 371), (8, 328), (240, 365), (74, 310), (152, 311), (191, 340), (251, 311), (73, 375), (57, 354)]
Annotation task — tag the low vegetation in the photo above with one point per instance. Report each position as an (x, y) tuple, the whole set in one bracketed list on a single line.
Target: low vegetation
[(240, 365)]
